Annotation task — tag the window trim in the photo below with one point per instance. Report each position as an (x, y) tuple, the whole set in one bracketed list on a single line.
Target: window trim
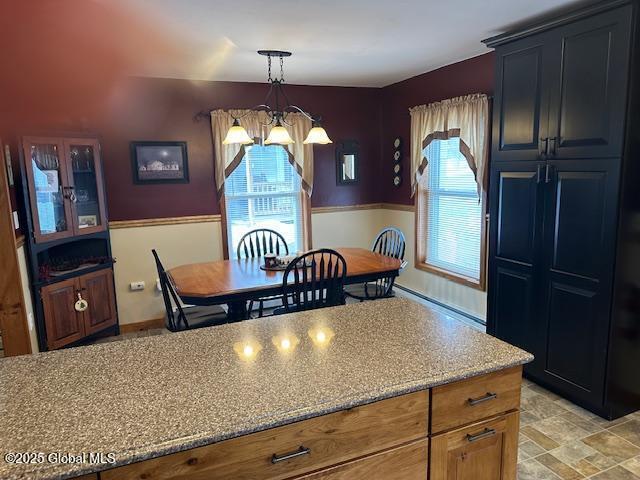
[(306, 223), (420, 262)]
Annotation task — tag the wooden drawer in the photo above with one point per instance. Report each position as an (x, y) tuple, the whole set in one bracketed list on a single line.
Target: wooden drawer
[(481, 451), (475, 399), (409, 462), (330, 440)]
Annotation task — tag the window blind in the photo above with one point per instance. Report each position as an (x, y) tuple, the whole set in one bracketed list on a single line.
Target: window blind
[(264, 191), (450, 214)]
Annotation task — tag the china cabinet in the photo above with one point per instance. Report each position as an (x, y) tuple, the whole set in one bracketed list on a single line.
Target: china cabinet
[(69, 244)]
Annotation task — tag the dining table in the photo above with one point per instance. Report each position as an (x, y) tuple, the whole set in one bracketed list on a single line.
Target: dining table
[(235, 282)]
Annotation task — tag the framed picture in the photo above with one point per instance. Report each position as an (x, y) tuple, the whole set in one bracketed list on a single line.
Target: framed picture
[(159, 162), (85, 221)]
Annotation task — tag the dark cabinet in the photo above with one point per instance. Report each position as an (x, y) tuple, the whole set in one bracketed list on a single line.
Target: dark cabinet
[(558, 277), (68, 321), (522, 78), (562, 93), (589, 87), (517, 212)]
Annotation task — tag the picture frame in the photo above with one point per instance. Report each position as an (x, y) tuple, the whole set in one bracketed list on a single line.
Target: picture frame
[(86, 221), (157, 162), (347, 163)]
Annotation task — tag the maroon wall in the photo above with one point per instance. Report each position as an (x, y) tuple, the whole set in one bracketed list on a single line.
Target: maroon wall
[(162, 109), (63, 80), (475, 75)]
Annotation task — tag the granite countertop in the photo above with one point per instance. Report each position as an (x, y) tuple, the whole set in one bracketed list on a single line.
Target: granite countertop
[(146, 397)]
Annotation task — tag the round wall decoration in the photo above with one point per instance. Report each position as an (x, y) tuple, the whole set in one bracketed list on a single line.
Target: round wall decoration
[(397, 158)]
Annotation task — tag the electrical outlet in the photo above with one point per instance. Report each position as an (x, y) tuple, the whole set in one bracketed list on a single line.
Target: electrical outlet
[(135, 286)]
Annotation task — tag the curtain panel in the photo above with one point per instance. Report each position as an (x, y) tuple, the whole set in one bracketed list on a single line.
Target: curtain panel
[(228, 157), (466, 117)]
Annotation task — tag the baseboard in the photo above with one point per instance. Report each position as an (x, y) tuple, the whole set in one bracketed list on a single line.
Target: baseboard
[(443, 305), (140, 326)]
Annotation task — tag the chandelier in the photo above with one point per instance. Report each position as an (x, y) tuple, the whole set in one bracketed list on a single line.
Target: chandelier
[(276, 116)]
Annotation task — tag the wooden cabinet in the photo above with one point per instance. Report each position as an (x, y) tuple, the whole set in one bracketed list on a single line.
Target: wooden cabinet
[(482, 451), (473, 436), (63, 322), (65, 184), (298, 448), (562, 232)]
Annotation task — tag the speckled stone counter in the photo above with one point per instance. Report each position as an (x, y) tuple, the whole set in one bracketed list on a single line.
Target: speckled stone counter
[(152, 396)]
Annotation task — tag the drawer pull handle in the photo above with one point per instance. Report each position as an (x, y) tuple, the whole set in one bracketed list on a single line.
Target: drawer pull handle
[(477, 401), (487, 432), (288, 456)]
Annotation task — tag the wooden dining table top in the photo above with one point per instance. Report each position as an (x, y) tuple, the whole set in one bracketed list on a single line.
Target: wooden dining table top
[(224, 278)]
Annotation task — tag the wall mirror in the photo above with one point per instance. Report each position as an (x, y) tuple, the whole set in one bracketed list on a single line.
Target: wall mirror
[(347, 168)]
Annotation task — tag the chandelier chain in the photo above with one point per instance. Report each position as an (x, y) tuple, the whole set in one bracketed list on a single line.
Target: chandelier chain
[(269, 67), (281, 69)]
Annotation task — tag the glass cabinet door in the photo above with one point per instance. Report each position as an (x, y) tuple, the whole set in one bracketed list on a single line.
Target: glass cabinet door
[(49, 191), (85, 179)]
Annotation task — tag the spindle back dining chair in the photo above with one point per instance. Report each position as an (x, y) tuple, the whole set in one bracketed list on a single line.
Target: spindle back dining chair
[(260, 241), (185, 317), (314, 280), (257, 243), (390, 242)]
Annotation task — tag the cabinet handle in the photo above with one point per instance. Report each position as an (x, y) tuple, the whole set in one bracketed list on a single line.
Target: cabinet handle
[(487, 432), (547, 176), (555, 144), (288, 456), (476, 401), (545, 149), (538, 175)]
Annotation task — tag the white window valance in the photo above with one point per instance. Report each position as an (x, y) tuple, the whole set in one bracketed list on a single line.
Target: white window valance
[(466, 117), (228, 157)]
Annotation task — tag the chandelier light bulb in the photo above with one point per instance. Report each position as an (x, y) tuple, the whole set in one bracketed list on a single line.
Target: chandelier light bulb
[(237, 135)]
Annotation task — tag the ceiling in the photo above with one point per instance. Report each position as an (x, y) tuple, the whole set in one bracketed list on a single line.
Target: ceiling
[(369, 43)]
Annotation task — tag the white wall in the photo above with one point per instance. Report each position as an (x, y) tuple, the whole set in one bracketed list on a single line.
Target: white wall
[(467, 299), (197, 242)]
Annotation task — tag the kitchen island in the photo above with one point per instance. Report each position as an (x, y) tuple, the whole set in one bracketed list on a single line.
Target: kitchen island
[(384, 389)]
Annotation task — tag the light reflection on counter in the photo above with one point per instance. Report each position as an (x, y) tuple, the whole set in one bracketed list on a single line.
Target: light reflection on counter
[(247, 350), (285, 343), (321, 336)]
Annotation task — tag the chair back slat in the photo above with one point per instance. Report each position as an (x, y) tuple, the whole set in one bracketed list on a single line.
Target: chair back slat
[(261, 241), (318, 281), (176, 319), (391, 243)]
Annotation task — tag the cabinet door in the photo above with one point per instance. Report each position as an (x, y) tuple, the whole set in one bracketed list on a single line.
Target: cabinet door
[(589, 94), (48, 188), (521, 104), (580, 233), (63, 324), (97, 289), (86, 185), (483, 451), (516, 213)]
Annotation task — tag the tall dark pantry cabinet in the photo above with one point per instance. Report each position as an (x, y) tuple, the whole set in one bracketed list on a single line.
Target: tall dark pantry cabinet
[(564, 262)]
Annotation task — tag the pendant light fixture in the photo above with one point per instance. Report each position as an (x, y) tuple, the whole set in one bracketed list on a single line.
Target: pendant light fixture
[(277, 116)]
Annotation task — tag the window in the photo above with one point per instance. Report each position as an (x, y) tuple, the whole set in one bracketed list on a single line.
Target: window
[(264, 191), (450, 216)]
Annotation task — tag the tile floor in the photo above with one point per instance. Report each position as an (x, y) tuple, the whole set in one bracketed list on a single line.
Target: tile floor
[(559, 440)]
